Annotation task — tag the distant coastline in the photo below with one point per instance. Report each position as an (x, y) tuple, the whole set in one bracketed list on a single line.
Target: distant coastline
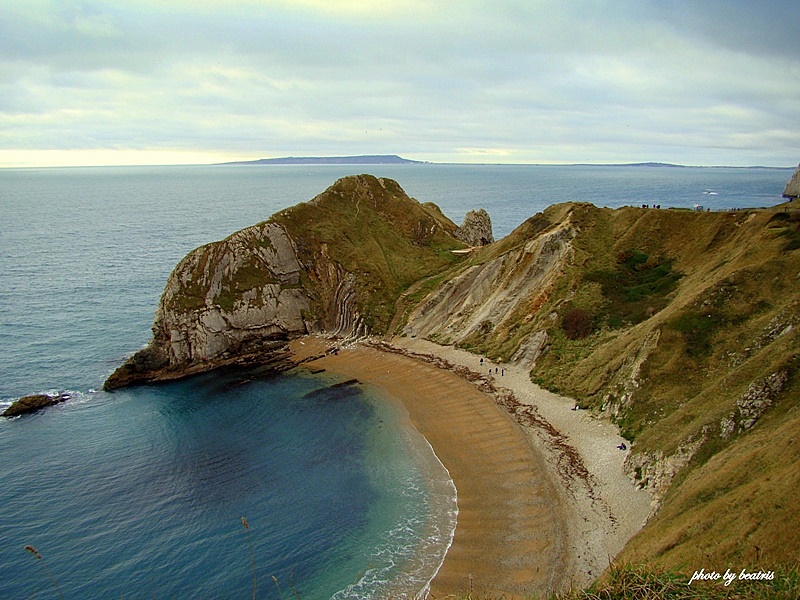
[(394, 159), (368, 159)]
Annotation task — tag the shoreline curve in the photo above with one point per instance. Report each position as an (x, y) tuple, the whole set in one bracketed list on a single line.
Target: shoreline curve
[(603, 506), (511, 531)]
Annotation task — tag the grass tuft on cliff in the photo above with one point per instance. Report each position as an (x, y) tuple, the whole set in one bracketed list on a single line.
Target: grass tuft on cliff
[(370, 227)]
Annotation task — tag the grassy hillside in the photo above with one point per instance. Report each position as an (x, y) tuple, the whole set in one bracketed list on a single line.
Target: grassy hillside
[(683, 327), (379, 235)]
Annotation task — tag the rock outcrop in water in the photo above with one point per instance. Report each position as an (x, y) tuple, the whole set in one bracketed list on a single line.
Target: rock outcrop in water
[(32, 403)]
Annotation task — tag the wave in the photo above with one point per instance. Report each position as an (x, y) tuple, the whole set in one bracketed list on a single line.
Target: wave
[(451, 529), (409, 556)]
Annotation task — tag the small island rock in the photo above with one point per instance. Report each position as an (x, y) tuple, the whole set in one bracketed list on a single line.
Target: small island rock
[(31, 403)]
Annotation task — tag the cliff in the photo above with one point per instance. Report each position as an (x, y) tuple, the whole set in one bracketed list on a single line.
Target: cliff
[(680, 326), (334, 264)]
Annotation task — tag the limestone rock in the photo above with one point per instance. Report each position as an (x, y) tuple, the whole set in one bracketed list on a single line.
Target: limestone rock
[(626, 378), (531, 349), (476, 229), (792, 189), (223, 302), (331, 265), (758, 397), (494, 291), (655, 470)]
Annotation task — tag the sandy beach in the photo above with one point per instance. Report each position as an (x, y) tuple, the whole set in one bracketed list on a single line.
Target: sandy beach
[(543, 502)]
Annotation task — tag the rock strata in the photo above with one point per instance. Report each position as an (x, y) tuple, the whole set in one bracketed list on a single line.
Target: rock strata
[(224, 303), (326, 266), (488, 296)]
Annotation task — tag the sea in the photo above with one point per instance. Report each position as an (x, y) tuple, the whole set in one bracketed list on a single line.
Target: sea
[(232, 484)]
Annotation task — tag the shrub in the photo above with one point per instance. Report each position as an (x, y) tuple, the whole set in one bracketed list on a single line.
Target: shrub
[(636, 288), (577, 323)]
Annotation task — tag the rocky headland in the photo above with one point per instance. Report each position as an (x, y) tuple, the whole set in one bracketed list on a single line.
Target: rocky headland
[(677, 326), (335, 264)]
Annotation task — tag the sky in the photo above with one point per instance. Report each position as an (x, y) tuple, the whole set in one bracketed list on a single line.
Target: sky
[(696, 82)]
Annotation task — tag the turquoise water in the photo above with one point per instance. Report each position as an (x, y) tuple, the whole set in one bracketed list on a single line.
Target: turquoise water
[(140, 493)]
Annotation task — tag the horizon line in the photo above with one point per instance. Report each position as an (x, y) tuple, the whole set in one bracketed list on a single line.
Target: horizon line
[(254, 163)]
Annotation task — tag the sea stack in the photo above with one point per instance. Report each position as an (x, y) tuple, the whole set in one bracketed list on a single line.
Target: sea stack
[(476, 229)]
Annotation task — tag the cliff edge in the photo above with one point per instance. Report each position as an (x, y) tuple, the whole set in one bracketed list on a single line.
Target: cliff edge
[(792, 189)]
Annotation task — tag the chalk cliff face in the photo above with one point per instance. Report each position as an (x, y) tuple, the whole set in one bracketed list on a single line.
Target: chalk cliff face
[(223, 302), (334, 264), (223, 296), (792, 189), (489, 295)]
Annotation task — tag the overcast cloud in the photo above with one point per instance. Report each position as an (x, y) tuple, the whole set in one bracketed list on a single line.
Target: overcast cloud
[(138, 81)]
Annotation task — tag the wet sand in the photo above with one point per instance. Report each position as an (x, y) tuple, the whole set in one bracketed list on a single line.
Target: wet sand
[(543, 501), (603, 507), (510, 533)]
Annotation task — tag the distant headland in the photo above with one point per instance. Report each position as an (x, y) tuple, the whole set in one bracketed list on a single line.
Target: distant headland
[(368, 159), (394, 159)]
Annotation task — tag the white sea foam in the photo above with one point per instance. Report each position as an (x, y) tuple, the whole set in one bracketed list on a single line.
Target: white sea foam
[(410, 554), (453, 517)]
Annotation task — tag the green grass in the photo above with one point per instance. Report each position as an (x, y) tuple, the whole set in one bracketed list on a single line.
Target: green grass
[(385, 240), (717, 296), (636, 288)]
